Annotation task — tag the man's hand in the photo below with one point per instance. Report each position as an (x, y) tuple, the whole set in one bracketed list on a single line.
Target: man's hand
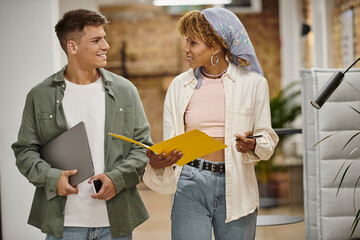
[(63, 187), (244, 144), (107, 191), (161, 160)]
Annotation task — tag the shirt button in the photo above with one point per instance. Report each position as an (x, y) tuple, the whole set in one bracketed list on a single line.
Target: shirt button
[(121, 109), (63, 86), (57, 101), (51, 116)]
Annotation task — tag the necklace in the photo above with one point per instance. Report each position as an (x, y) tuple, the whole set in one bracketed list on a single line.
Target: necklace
[(211, 75)]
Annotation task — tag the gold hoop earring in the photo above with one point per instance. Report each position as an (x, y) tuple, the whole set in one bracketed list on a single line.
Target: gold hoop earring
[(212, 60)]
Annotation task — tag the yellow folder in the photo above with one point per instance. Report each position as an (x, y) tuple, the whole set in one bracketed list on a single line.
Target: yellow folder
[(192, 144)]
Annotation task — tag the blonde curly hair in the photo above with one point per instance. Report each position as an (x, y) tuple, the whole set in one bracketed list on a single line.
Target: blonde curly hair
[(194, 24)]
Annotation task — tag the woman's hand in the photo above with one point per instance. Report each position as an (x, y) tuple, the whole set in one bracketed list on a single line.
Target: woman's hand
[(243, 144), (161, 160)]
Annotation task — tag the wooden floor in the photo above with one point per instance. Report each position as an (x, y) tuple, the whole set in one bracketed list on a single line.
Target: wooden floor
[(158, 226)]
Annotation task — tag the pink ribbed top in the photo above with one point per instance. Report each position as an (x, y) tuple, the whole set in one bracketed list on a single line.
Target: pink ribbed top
[(206, 109)]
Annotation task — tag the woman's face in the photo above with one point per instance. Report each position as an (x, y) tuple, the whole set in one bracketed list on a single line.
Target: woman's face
[(197, 52)]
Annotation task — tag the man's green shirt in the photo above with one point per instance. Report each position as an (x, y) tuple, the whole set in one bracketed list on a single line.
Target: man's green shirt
[(44, 119)]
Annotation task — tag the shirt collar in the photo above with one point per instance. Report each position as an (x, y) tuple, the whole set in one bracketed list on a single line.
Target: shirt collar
[(59, 76), (191, 78), (231, 72)]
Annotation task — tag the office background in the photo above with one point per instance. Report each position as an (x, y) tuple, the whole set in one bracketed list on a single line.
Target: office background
[(146, 48)]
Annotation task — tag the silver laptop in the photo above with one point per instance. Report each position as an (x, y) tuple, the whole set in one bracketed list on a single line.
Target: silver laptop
[(70, 150)]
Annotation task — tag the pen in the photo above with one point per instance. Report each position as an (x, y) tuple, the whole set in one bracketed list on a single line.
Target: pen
[(250, 137)]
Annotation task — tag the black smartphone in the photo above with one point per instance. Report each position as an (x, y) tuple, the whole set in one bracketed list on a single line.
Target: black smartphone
[(96, 185)]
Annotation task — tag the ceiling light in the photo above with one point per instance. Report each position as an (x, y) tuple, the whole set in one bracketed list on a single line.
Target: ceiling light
[(189, 2)]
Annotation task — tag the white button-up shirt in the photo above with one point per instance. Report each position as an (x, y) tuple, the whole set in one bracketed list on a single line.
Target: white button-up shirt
[(246, 108)]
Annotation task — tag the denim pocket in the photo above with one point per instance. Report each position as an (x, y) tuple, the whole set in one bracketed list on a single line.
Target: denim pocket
[(187, 173)]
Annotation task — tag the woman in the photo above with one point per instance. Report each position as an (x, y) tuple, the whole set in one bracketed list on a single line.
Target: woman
[(225, 95)]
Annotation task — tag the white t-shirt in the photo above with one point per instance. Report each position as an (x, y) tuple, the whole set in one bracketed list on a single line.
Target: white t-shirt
[(87, 103)]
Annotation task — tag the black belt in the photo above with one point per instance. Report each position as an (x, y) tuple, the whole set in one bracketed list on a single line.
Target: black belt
[(213, 167)]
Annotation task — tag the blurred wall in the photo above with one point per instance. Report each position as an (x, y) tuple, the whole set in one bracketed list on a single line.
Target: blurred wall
[(339, 8), (28, 55)]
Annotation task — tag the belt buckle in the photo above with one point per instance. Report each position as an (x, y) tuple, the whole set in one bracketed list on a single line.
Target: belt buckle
[(213, 168)]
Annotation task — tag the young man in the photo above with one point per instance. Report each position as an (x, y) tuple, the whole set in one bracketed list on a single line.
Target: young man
[(105, 102)]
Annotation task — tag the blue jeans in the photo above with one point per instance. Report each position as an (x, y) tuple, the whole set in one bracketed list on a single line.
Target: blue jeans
[(82, 233), (199, 206)]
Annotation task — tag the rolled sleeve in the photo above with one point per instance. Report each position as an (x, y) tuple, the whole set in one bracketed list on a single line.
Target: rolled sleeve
[(264, 149), (265, 146), (118, 179), (163, 180), (52, 179)]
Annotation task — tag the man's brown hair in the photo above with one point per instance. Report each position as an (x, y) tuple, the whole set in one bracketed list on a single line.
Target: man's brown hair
[(71, 26)]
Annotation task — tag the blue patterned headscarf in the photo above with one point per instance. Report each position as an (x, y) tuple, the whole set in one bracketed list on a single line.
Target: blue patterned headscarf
[(228, 26)]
